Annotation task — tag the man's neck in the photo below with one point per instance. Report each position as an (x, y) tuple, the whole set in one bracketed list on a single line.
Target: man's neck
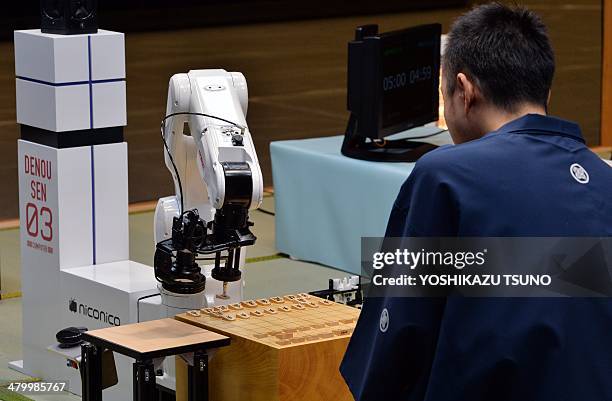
[(495, 118)]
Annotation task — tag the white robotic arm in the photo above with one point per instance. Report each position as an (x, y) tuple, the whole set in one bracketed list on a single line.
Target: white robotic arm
[(216, 173), (222, 138)]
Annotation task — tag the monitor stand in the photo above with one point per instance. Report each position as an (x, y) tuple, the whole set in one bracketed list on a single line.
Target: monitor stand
[(396, 150)]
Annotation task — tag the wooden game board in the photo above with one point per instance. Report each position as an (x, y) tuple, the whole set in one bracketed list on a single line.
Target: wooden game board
[(280, 321), (283, 348)]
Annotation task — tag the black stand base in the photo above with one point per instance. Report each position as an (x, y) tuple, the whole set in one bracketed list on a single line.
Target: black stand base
[(398, 150), (393, 151)]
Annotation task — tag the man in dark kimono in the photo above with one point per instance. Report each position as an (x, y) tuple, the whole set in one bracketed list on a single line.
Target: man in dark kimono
[(514, 171)]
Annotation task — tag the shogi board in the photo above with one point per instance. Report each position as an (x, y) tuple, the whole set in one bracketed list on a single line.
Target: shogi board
[(283, 348)]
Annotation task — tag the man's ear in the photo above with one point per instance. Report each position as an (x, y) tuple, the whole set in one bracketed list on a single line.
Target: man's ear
[(467, 91)]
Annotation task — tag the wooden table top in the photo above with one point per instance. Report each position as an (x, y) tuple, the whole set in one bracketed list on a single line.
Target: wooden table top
[(155, 338)]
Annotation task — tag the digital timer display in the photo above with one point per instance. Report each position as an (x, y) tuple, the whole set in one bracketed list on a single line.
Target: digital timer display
[(392, 86), (410, 77)]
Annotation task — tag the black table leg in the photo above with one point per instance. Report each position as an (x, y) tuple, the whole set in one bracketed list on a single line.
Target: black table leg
[(144, 381), (91, 372), (198, 377)]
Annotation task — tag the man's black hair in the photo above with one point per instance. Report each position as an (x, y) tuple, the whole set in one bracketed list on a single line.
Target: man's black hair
[(505, 51)]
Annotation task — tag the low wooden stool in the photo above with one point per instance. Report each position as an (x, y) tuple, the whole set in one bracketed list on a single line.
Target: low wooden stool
[(144, 342)]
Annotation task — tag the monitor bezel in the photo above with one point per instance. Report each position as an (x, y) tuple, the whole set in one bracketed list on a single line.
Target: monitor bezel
[(370, 120)]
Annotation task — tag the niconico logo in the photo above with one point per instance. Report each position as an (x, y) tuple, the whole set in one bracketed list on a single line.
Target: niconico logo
[(96, 314)]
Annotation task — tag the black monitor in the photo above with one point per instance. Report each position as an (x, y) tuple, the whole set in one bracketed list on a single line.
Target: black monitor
[(393, 81)]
